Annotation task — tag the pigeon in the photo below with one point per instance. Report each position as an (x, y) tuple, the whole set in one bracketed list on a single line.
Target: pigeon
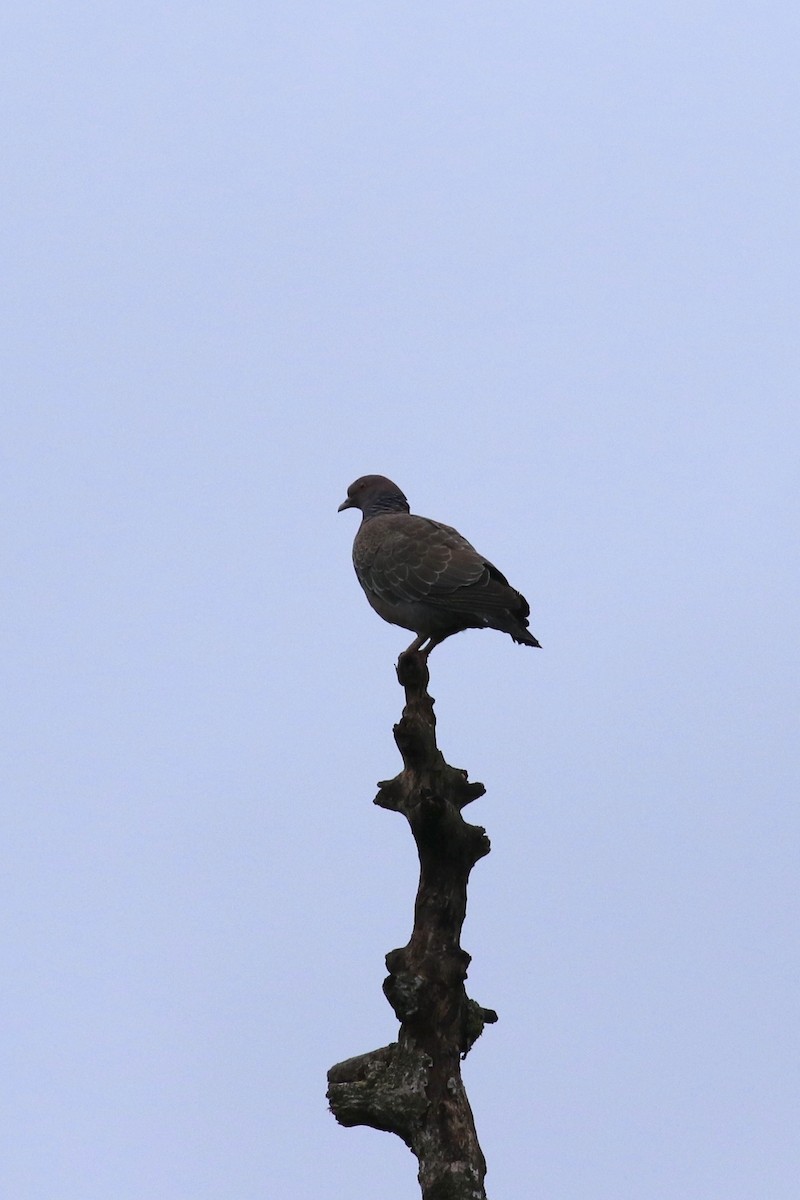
[(425, 576)]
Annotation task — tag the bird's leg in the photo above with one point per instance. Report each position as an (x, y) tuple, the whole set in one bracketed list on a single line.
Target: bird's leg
[(416, 645), (434, 641)]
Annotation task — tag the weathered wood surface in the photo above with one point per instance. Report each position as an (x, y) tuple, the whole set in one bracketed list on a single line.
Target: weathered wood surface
[(413, 1087)]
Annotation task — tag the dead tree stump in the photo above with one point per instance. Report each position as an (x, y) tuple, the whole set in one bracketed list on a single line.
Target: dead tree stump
[(413, 1087)]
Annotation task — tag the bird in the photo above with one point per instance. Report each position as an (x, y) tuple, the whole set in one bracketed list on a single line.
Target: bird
[(424, 576)]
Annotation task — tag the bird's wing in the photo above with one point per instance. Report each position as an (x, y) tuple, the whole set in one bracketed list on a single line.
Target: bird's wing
[(405, 558)]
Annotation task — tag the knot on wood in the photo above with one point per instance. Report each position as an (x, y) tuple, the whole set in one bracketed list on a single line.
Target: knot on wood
[(385, 1089), (405, 992), (475, 1018)]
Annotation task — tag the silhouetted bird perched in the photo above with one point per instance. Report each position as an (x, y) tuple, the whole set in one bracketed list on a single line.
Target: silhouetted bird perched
[(425, 576)]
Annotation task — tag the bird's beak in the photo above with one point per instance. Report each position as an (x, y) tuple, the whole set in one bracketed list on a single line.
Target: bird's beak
[(348, 503)]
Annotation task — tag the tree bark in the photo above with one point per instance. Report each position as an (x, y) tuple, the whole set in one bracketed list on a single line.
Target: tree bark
[(413, 1087)]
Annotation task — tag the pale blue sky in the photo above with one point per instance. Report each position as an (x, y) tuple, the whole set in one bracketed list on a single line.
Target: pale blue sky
[(540, 266)]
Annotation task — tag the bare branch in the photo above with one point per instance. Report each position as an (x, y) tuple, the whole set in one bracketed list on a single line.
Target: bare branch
[(413, 1087)]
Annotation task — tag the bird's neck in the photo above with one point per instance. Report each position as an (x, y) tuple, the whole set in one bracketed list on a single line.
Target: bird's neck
[(385, 504)]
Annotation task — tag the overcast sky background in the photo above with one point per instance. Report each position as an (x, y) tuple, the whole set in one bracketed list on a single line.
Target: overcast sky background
[(538, 264)]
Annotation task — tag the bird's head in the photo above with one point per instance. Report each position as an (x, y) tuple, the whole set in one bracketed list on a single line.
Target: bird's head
[(375, 494)]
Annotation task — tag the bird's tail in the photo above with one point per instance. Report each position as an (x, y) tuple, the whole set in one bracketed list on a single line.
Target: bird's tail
[(523, 637)]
